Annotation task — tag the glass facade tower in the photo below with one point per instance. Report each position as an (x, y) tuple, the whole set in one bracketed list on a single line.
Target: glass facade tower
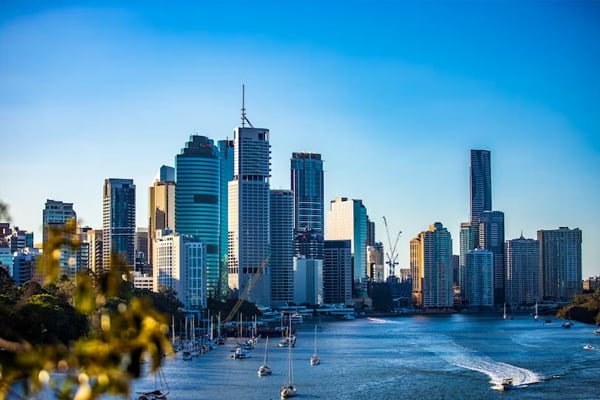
[(118, 221), (197, 210), (481, 183)]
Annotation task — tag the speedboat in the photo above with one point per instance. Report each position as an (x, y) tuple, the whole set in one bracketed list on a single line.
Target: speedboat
[(288, 391), (597, 332), (588, 347), (315, 360), (238, 354), (567, 324), (506, 384)]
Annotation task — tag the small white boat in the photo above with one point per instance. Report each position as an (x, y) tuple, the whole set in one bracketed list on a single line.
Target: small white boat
[(264, 370), (289, 390), (597, 332), (505, 315), (567, 324), (506, 384), (536, 316), (314, 359), (588, 347), (238, 354)]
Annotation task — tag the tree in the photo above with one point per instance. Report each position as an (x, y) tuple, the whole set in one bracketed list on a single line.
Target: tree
[(106, 358)]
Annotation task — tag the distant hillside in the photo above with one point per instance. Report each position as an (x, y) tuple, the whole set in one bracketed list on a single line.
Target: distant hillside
[(585, 308)]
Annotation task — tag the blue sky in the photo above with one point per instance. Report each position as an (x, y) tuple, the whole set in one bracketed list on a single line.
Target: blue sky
[(393, 94)]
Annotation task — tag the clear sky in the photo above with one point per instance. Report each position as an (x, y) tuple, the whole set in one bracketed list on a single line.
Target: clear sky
[(393, 94)]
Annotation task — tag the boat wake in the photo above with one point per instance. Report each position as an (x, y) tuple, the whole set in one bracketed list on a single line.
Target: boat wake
[(475, 361), (378, 320)]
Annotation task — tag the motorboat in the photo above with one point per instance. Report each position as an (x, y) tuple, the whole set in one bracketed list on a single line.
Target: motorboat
[(588, 347), (287, 341), (567, 324), (506, 384), (597, 332), (238, 354)]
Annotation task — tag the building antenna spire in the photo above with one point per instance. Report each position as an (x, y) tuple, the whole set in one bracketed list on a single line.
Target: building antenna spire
[(244, 118)]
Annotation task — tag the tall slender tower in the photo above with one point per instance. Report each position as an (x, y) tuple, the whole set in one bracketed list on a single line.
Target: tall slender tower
[(281, 262), (307, 186), (197, 194), (249, 214), (226, 155), (481, 183), (118, 221)]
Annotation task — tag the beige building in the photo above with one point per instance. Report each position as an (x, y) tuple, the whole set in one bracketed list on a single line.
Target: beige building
[(161, 205)]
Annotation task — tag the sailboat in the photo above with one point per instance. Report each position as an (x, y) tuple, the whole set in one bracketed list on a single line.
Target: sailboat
[(289, 390), (264, 370), (162, 389), (505, 316), (314, 359), (536, 316)]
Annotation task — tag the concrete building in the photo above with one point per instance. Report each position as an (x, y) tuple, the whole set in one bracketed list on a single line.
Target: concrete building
[(161, 205), (143, 281), (376, 265), (479, 278), (197, 192), (491, 237), (308, 188), (118, 221), (431, 268), (281, 262), (55, 215), (592, 283), (308, 280), (180, 263), (249, 216), (522, 271), (481, 183), (347, 220), (95, 250), (24, 265), (337, 272), (560, 258)]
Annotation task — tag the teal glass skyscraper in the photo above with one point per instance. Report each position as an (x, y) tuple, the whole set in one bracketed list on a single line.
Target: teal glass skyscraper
[(197, 209)]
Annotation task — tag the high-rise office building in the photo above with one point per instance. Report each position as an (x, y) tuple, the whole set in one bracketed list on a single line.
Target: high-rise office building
[(197, 192), (180, 263), (249, 216), (118, 221), (491, 237), (479, 278), (347, 220), (24, 265), (560, 258), (522, 271), (468, 242), (226, 156), (161, 205), (337, 272), (481, 183), (431, 267), (376, 266), (370, 232), (56, 214), (307, 186), (140, 249), (281, 262), (308, 280)]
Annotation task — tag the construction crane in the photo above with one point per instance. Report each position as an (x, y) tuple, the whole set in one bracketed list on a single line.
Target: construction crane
[(249, 287), (392, 256)]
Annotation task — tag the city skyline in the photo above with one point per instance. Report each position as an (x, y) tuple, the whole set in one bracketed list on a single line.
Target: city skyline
[(543, 166)]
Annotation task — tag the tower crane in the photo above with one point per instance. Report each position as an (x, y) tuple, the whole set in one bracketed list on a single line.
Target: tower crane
[(253, 279), (392, 256)]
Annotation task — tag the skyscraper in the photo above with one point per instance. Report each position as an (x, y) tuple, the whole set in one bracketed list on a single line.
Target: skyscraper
[(481, 183), (307, 186), (56, 214), (95, 250), (347, 220), (249, 215), (479, 278), (468, 241), (197, 191), (281, 262), (118, 221), (491, 237), (560, 256), (522, 271), (308, 280), (226, 156), (180, 264), (161, 207), (431, 267), (337, 272)]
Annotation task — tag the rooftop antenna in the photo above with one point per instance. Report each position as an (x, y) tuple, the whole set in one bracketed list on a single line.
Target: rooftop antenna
[(244, 118)]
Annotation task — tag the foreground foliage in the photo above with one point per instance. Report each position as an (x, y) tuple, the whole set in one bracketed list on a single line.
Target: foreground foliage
[(92, 332)]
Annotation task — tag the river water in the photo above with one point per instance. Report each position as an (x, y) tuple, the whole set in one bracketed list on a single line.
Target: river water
[(419, 357)]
